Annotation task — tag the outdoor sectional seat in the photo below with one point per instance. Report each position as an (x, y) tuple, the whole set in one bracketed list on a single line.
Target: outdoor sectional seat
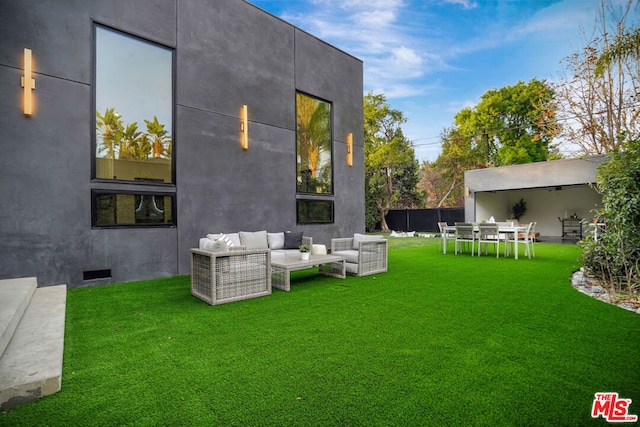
[(364, 254), (235, 266), (282, 245), (226, 276)]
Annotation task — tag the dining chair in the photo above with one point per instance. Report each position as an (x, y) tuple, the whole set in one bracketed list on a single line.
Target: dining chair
[(465, 233), (444, 236), (527, 238), (488, 234)]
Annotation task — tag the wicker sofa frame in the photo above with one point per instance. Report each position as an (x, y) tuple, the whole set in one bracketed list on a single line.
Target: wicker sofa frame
[(372, 254), (221, 277)]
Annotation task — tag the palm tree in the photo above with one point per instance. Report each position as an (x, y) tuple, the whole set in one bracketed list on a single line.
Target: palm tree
[(313, 136), (160, 140), (625, 45), (130, 143), (109, 131)]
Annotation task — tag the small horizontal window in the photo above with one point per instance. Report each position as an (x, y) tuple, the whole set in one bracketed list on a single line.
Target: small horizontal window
[(314, 211), (132, 210)]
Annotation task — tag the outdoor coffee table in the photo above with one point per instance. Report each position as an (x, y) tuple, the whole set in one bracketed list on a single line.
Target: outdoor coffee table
[(328, 265)]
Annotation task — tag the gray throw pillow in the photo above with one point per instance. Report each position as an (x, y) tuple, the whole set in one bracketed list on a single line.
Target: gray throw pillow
[(292, 239)]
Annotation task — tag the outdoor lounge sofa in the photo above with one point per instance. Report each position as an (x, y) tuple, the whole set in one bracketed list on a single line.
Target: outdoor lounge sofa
[(364, 254), (282, 244), (235, 266)]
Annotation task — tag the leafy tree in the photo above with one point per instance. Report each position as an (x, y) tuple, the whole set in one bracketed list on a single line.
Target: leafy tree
[(443, 180), (599, 92), (390, 165), (511, 125), (615, 256)]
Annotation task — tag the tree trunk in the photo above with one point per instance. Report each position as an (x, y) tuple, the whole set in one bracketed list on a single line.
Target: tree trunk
[(383, 220), (453, 184)]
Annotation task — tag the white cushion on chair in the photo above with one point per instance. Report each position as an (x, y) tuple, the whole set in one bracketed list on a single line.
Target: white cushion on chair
[(357, 238), (254, 240), (204, 241), (349, 256), (351, 268), (318, 250), (275, 240), (213, 245), (235, 238), (224, 238)]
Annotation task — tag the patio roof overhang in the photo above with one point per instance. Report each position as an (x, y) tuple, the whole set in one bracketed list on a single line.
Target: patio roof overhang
[(556, 173)]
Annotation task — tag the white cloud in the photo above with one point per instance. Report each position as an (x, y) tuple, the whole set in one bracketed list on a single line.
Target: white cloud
[(467, 4), (383, 33), (561, 17), (375, 18), (406, 62)]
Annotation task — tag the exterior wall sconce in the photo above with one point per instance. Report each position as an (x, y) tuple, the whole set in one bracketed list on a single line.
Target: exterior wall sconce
[(27, 83), (350, 149), (467, 192), (244, 126)]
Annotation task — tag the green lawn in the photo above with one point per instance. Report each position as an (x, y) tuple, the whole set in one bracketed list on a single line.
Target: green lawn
[(437, 340)]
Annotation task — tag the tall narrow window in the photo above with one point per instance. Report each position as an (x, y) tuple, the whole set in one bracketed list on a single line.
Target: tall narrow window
[(134, 108), (313, 145)]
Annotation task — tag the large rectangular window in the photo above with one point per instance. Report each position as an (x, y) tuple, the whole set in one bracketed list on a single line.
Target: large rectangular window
[(113, 209), (133, 108), (313, 145)]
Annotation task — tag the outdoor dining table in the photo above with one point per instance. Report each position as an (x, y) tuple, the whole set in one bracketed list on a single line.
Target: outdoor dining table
[(515, 230)]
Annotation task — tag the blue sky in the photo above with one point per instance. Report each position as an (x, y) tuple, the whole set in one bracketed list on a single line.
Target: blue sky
[(431, 58)]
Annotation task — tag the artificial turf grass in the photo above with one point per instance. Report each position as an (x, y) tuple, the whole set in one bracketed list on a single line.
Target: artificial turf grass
[(439, 339)]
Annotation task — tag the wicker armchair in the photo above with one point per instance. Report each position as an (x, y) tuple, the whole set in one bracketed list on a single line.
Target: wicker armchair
[(220, 277), (370, 257)]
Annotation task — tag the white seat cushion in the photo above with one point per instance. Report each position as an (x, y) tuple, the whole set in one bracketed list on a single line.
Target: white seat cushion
[(277, 256), (350, 256), (351, 268)]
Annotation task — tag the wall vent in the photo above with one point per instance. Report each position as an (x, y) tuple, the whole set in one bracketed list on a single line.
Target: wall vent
[(96, 274)]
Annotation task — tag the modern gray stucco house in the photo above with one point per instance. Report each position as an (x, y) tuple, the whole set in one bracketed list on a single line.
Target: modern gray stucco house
[(84, 203), (552, 190)]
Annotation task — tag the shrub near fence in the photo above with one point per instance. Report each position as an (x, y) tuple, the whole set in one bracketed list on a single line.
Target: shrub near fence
[(422, 219)]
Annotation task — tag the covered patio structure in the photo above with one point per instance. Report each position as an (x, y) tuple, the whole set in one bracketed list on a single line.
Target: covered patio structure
[(553, 191)]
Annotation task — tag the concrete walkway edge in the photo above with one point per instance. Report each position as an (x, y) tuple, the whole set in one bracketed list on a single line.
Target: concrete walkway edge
[(31, 366)]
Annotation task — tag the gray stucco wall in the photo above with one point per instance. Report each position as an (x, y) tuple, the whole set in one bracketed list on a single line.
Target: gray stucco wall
[(228, 53)]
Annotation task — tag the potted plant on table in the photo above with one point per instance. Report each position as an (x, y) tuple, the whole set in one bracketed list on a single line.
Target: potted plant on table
[(304, 251)]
